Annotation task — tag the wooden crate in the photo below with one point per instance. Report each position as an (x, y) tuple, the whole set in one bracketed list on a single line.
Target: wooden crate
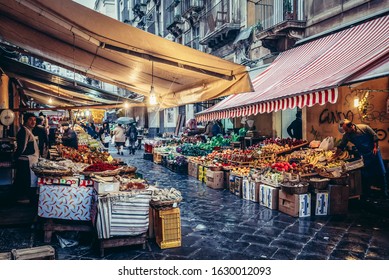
[(339, 196), (167, 228), (6, 256), (35, 253), (355, 183)]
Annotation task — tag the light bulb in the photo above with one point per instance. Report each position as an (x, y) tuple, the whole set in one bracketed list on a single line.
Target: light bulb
[(87, 113), (126, 105), (50, 100), (356, 102), (153, 97)]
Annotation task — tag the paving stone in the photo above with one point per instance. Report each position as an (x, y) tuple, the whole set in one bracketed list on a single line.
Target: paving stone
[(206, 253), (310, 256), (318, 248), (287, 244), (234, 246), (295, 237), (302, 230), (269, 231), (285, 254), (256, 239), (352, 246), (256, 251), (346, 255), (377, 253)]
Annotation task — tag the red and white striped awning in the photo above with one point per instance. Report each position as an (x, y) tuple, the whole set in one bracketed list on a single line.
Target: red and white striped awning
[(309, 74)]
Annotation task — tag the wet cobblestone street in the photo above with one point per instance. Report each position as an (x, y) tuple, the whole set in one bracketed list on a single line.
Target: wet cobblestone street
[(218, 225)]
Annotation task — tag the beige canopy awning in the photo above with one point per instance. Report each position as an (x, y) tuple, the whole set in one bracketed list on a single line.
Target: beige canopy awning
[(105, 49)]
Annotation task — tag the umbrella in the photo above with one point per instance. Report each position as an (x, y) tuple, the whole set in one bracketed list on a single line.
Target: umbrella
[(125, 120)]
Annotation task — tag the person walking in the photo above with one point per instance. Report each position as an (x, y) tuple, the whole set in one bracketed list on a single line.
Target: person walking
[(365, 140), (132, 135), (120, 138)]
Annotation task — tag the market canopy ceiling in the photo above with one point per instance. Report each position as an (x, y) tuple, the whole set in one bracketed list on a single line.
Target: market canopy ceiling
[(311, 73), (41, 85), (105, 49)]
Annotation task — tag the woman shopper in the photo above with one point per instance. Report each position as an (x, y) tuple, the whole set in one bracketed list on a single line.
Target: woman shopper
[(120, 137), (104, 134)]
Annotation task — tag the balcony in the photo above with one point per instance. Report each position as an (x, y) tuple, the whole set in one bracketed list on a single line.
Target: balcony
[(280, 28), (174, 24), (222, 29), (140, 7), (191, 8)]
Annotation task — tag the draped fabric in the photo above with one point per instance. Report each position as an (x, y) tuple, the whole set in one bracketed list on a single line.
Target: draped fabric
[(124, 214)]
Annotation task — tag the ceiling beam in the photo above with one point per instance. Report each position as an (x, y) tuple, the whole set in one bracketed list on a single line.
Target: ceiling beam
[(79, 107)]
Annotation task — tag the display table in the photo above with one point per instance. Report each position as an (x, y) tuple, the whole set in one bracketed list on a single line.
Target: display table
[(56, 225), (122, 241)]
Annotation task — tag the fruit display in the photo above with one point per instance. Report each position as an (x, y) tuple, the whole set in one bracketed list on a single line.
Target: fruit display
[(85, 155), (132, 184), (241, 171)]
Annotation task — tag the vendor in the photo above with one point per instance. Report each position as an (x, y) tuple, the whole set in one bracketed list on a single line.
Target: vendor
[(366, 141), (26, 154), (69, 137)]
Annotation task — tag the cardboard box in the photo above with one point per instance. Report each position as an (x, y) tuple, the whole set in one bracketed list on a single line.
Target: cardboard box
[(268, 196), (320, 203), (296, 205), (231, 183), (254, 190), (304, 205), (193, 169), (246, 189), (106, 187), (339, 195), (61, 181), (238, 186), (215, 179), (68, 203)]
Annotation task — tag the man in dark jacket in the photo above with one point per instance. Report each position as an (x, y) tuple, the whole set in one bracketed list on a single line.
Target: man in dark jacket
[(365, 140), (43, 140), (295, 129), (69, 137), (132, 135)]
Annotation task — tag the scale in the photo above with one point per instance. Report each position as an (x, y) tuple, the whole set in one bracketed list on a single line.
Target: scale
[(7, 118)]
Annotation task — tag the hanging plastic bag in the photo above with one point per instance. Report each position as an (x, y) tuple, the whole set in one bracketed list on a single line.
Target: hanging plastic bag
[(127, 143), (327, 143), (113, 140), (107, 139)]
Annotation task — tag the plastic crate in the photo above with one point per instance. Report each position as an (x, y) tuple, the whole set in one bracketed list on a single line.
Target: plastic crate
[(168, 228)]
